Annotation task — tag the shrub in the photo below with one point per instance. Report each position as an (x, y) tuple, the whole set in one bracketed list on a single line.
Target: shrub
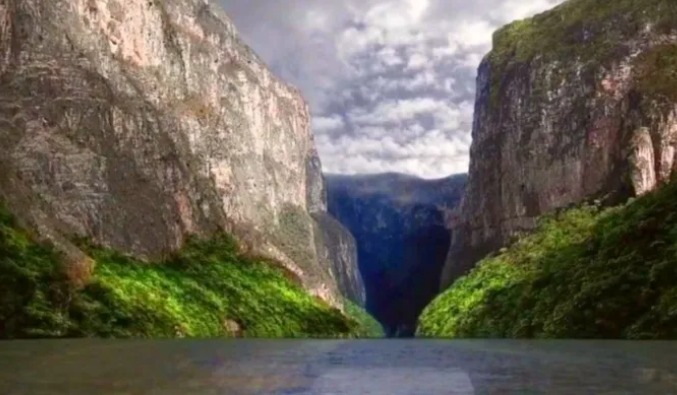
[(585, 273), (369, 326), (206, 290)]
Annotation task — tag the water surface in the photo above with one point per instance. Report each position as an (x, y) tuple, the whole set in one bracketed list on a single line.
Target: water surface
[(351, 367)]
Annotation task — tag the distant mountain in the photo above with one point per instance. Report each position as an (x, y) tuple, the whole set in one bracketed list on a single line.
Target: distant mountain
[(401, 224)]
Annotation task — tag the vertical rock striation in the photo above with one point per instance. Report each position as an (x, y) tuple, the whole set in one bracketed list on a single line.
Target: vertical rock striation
[(577, 103), (339, 251), (336, 245), (140, 122)]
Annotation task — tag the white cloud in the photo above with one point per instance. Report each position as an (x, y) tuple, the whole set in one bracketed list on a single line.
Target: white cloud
[(449, 84), (447, 51), (393, 16), (328, 124), (390, 57), (417, 61), (390, 82), (434, 155), (470, 60), (396, 111), (471, 33), (420, 80), (510, 10)]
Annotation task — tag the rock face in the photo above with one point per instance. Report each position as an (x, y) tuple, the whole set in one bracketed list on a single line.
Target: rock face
[(140, 122), (577, 103), (401, 224), (335, 244), (340, 254)]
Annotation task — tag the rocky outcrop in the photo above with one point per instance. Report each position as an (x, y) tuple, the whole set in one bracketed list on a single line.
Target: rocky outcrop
[(137, 123), (340, 254), (401, 224), (335, 244), (578, 103)]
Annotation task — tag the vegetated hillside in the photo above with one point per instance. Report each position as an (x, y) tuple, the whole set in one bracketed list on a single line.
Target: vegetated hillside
[(575, 103), (401, 226), (206, 290), (585, 273)]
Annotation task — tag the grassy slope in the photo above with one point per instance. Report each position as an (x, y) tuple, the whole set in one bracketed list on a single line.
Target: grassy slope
[(370, 327), (192, 295), (586, 273)]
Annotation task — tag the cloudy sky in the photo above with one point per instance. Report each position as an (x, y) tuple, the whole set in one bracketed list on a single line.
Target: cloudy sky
[(390, 82)]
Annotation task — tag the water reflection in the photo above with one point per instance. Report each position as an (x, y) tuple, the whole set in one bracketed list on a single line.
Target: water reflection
[(392, 367)]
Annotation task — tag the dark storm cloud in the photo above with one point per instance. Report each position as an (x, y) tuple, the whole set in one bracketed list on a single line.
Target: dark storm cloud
[(390, 82)]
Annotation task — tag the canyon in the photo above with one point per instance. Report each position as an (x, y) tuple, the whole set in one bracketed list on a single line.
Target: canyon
[(402, 227), (148, 149)]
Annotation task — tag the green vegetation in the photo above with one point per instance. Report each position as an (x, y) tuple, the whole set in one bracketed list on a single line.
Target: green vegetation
[(207, 290), (658, 72), (588, 31), (585, 273), (369, 326), (33, 290)]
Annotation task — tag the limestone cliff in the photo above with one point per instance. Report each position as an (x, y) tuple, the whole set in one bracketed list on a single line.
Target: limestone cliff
[(341, 254), (139, 122), (336, 245), (577, 103), (401, 224)]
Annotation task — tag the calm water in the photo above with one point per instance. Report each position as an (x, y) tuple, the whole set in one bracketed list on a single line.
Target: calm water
[(388, 367)]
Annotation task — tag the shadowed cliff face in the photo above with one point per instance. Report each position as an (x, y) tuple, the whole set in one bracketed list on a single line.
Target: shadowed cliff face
[(401, 225), (137, 123), (578, 103), (335, 244)]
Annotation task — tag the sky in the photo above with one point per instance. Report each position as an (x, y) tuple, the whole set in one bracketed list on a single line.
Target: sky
[(390, 83)]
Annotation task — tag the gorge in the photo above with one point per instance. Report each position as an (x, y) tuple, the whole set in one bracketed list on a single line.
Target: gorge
[(402, 227), (158, 180)]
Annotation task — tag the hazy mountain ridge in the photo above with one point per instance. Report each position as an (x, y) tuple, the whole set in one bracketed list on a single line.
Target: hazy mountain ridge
[(401, 225)]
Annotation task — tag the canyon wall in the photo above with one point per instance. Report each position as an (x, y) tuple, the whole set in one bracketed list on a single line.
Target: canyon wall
[(137, 123), (578, 103)]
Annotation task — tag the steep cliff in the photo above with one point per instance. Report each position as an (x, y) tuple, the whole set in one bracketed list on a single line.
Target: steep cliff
[(336, 245), (137, 123), (575, 104), (401, 224), (340, 252)]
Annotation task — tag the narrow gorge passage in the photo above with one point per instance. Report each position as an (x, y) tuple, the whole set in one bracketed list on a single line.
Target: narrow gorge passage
[(401, 225)]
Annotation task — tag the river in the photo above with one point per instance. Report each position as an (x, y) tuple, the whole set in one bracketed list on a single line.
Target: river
[(325, 367)]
